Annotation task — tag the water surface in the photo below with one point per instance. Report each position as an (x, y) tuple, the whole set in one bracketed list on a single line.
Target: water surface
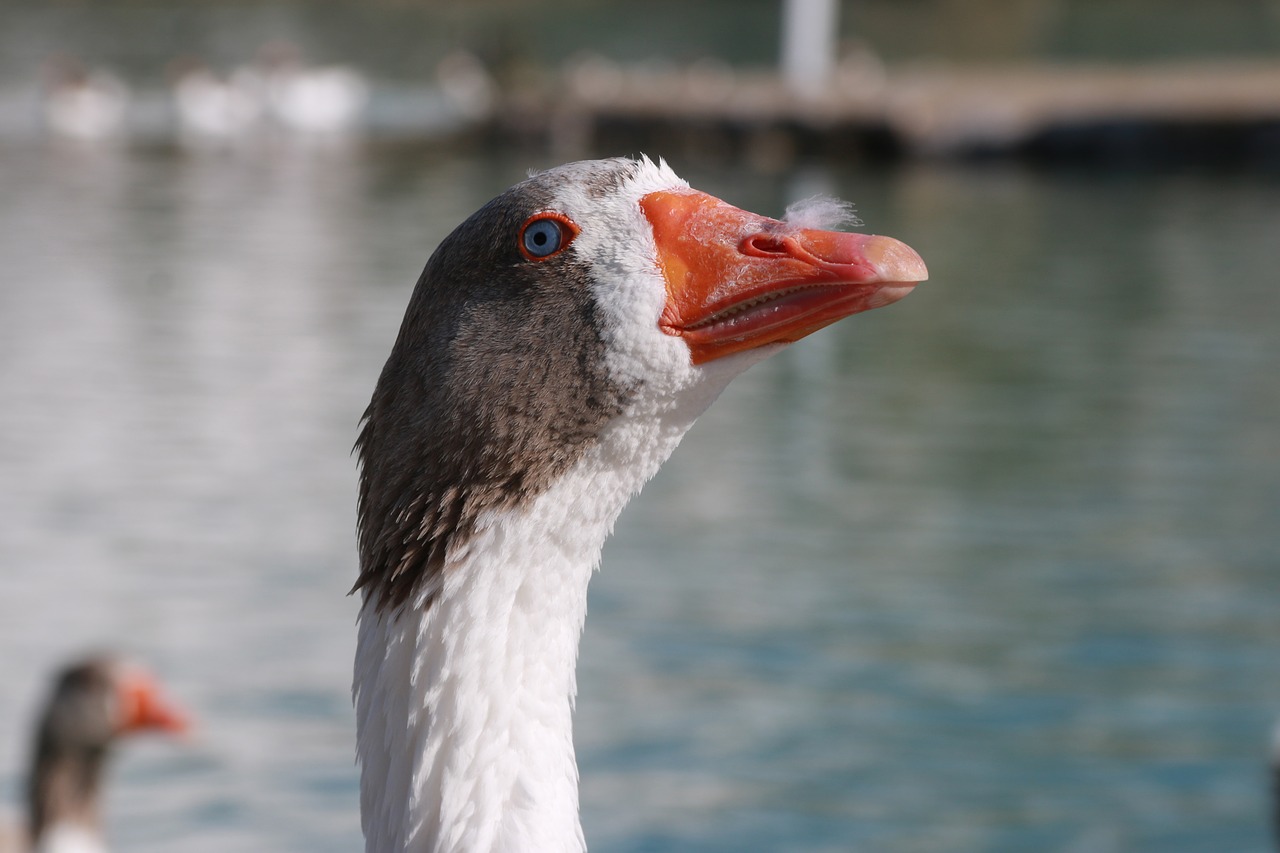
[(992, 570)]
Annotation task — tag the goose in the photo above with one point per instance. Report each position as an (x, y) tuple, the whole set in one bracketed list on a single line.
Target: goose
[(82, 105), (307, 99), (211, 109), (554, 351), (93, 703)]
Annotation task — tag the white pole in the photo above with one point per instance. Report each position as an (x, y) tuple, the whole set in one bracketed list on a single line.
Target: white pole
[(808, 44)]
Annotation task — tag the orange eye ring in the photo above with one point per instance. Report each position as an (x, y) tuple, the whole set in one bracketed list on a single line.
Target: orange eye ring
[(545, 235)]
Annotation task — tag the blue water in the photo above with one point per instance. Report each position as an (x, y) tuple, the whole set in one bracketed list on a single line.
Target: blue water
[(991, 570)]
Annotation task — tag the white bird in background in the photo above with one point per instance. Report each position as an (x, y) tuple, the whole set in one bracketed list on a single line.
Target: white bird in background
[(467, 85), (557, 346), (212, 109), (305, 99), (83, 105)]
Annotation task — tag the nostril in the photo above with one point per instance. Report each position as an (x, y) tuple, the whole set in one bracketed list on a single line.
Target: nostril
[(764, 245)]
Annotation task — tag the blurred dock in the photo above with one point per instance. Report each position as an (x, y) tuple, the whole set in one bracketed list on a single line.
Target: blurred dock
[(1202, 114), (1222, 112)]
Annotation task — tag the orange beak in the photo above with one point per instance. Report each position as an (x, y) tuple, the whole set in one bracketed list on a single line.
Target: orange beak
[(144, 707), (737, 281)]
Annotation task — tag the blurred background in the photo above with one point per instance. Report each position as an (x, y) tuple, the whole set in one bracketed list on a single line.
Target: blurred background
[(994, 570)]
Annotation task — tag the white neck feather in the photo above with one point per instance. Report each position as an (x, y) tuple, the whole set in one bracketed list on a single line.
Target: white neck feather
[(464, 709)]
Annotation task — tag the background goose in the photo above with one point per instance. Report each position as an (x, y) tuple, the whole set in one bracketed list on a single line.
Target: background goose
[(92, 704)]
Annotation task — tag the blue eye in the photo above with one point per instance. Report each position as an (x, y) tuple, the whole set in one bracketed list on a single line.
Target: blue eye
[(542, 237), (545, 234)]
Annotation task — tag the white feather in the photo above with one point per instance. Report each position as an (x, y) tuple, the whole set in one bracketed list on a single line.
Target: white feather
[(821, 212)]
